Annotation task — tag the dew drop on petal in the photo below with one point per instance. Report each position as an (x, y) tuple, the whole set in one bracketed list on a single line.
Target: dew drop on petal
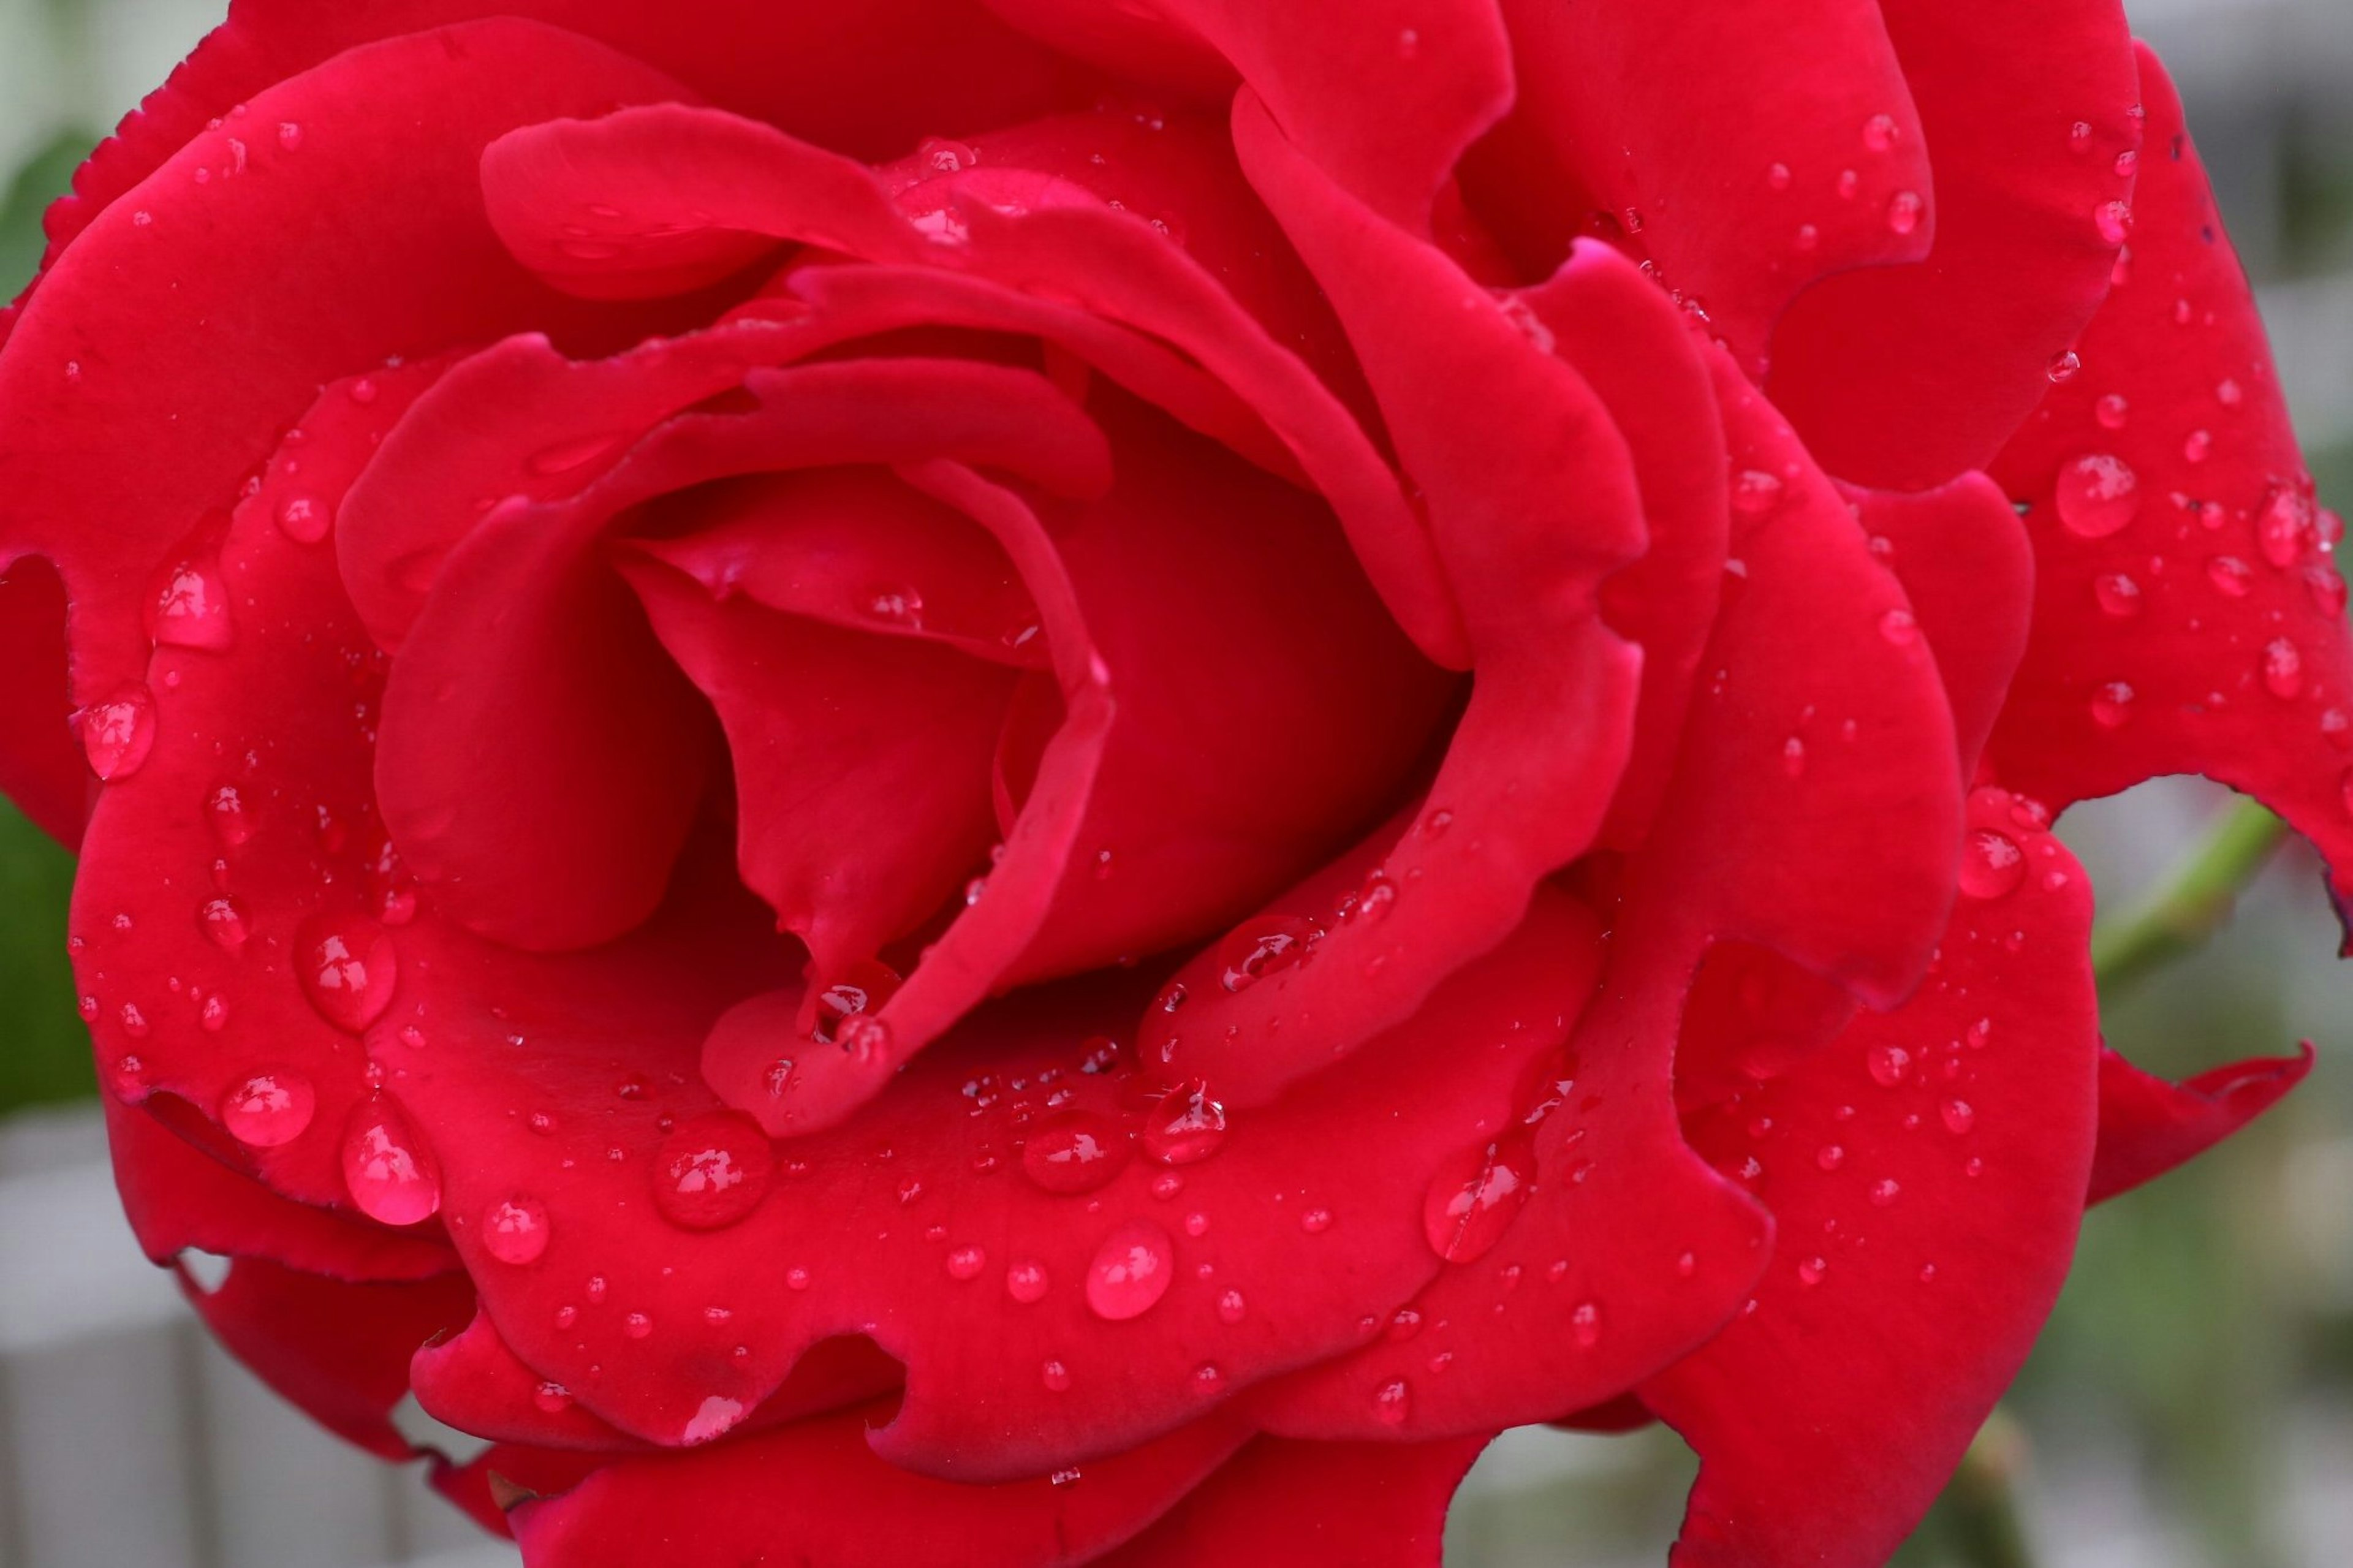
[(2232, 577), (118, 734), (1755, 492), (1057, 1378), (2283, 668), (2112, 704), (1186, 1126), (347, 969), (223, 919), (1474, 1197), (712, 1171), (1904, 211), (1585, 1324), (1073, 1153), (1026, 1280), (1958, 1115), (1888, 1065), (515, 1230), (386, 1168), (2098, 494), (1231, 1307), (966, 1262), (190, 608), (1392, 1403), (2111, 410), (269, 1107), (1991, 865), (2116, 594), (1266, 946), (1131, 1271)]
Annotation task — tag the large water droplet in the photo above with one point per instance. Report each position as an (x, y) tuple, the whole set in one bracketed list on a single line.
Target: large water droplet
[(1262, 947), (269, 1107), (2098, 494), (386, 1168), (1185, 1127), (1474, 1196), (1131, 1271), (1074, 1152), (516, 1231), (347, 968), (1888, 1065), (1958, 1115), (861, 989), (223, 919), (1991, 865), (2112, 704), (118, 734), (712, 1171), (190, 608)]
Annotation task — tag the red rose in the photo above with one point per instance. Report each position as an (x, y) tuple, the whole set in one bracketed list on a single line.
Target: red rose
[(1066, 782)]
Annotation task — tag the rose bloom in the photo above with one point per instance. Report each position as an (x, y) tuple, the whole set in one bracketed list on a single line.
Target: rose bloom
[(1059, 781)]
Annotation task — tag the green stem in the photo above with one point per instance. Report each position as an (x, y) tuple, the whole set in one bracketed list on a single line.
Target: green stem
[(2196, 897), (1981, 1502)]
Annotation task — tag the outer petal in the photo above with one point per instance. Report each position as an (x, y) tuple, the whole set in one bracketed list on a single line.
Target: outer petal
[(2148, 1126), (87, 374), (2188, 620), (1902, 377), (339, 1351), (814, 1490), (41, 769), (1347, 1505), (1922, 1173), (1670, 136)]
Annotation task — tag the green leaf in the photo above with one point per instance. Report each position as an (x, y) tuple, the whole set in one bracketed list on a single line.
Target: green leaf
[(44, 1049), (47, 175)]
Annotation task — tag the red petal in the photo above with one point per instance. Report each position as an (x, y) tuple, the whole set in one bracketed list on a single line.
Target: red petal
[(1635, 350), (2148, 1126), (2200, 627), (87, 375), (1904, 378), (41, 769), (178, 1195), (1920, 1173), (1671, 136), (340, 1351), (1279, 1504), (1966, 565), (814, 1491)]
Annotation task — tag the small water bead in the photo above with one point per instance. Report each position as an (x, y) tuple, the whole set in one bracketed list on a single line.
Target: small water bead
[(2079, 136), (387, 1169), (1185, 1127), (190, 608), (1830, 1157), (638, 1325), (1473, 1198), (1879, 133), (1131, 1271), (1197, 1225), (1167, 1185), (2197, 447), (1777, 176), (966, 1262), (223, 919), (118, 734), (1810, 1271), (1315, 1221), (1899, 628), (303, 519), (2063, 366), (1807, 238), (1057, 1379), (797, 1278), (2116, 594), (2113, 220), (1026, 1280), (1849, 183), (2111, 411), (2230, 576), (515, 1230), (1991, 865), (1793, 757), (712, 1171), (1585, 1324), (1231, 1307), (127, 1078), (134, 1022), (2283, 524), (347, 968), (1265, 946), (1755, 492), (1958, 1115), (1904, 211), (2283, 668), (2112, 704), (2098, 494), (1883, 1192), (551, 1398), (1076, 1151), (1392, 1403), (268, 1109)]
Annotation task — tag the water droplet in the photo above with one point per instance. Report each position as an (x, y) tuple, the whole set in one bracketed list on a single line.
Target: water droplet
[(551, 1398), (1904, 211), (118, 734), (1991, 865), (1231, 1307), (516, 1231), (1883, 1192), (1888, 1065), (2282, 526), (2112, 704), (2063, 366), (190, 608), (1585, 1324), (1185, 1127), (1777, 176), (2113, 220), (1755, 492), (223, 919), (862, 988), (1793, 757), (1473, 1198), (1807, 238), (797, 1278), (304, 519), (2098, 494), (1810, 1271), (2116, 593), (1265, 946), (386, 1169), (1830, 1157), (712, 1171), (1057, 1378), (638, 1325), (1026, 1280), (1958, 1115), (1315, 1221), (1073, 1153), (268, 1109), (347, 968), (2197, 447), (2111, 411), (2282, 667), (1899, 627), (1879, 133), (2230, 575), (1131, 1271), (966, 1262), (1849, 183)]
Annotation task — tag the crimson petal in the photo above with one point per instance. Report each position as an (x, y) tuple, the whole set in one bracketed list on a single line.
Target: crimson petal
[(2148, 1126)]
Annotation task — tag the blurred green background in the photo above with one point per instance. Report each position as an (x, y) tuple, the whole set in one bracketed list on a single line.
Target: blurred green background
[(2191, 1402)]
